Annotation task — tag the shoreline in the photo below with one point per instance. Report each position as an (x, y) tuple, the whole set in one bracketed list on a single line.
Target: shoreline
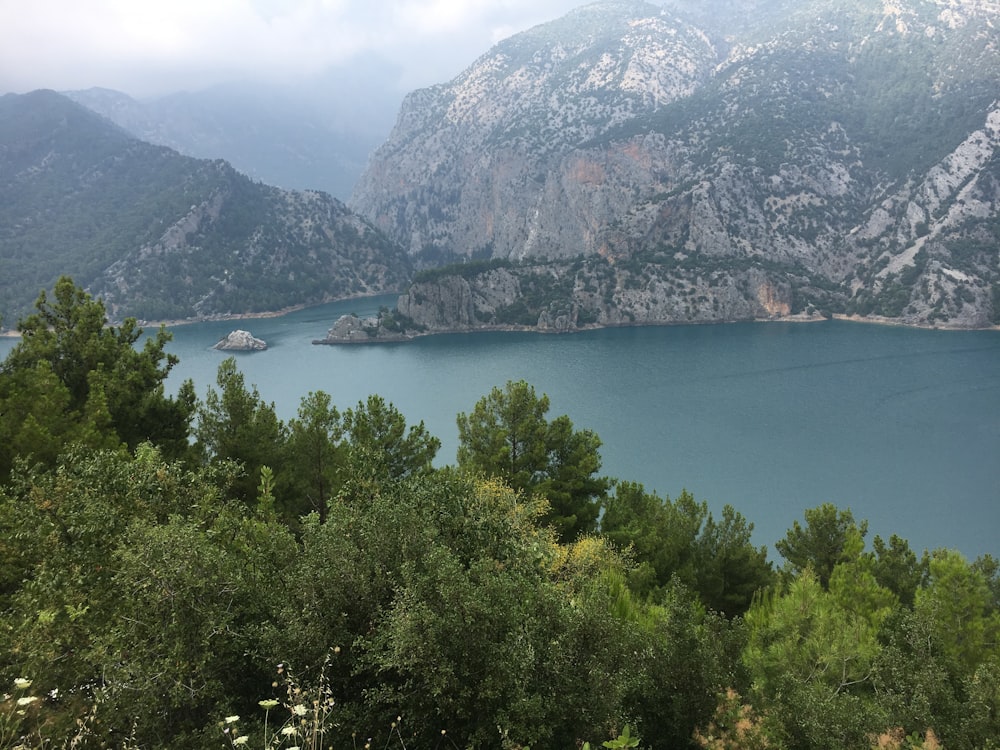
[(221, 317), (402, 338)]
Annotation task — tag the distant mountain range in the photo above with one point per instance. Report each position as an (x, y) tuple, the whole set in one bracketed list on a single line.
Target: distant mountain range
[(629, 163), (317, 135), (707, 161), (159, 235)]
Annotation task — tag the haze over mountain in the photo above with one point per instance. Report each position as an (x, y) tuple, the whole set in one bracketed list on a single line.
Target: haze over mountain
[(315, 135), (159, 235), (710, 161)]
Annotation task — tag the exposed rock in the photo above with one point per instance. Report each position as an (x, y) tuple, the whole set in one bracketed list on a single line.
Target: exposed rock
[(554, 297), (241, 341), (850, 162), (350, 329)]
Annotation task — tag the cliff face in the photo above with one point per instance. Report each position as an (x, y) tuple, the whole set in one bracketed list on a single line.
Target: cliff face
[(848, 154), (559, 297), (488, 165)]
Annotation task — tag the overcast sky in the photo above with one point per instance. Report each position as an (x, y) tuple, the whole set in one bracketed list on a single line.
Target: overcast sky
[(152, 47)]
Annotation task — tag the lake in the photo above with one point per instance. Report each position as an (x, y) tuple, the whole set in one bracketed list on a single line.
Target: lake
[(900, 425)]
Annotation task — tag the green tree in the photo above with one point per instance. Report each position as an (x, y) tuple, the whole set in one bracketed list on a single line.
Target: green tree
[(73, 377), (812, 663), (680, 539), (379, 444), (313, 457), (194, 597), (63, 527), (236, 424), (940, 667), (896, 567), (830, 536), (452, 606), (507, 435), (690, 657), (959, 601), (662, 534), (730, 570)]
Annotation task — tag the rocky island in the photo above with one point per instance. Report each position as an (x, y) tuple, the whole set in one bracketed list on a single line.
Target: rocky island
[(241, 341), (351, 329)]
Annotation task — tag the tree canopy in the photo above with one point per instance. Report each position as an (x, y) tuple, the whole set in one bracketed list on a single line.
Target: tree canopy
[(74, 378), (507, 435), (310, 583)]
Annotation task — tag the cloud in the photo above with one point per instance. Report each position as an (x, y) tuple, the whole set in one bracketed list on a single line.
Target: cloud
[(153, 46)]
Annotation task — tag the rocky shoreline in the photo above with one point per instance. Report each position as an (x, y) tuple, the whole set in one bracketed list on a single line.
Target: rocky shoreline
[(350, 330), (395, 337)]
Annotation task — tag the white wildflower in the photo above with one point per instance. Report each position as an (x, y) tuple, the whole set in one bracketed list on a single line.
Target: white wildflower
[(242, 739), (22, 682), (27, 700), (299, 710), (232, 719)]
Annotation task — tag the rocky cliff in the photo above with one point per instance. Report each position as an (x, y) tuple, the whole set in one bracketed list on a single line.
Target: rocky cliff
[(846, 154)]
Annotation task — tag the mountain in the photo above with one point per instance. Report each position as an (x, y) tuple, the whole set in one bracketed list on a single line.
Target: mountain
[(706, 161), (159, 235), (316, 135)]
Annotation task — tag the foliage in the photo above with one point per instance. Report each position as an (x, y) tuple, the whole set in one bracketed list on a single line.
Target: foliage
[(379, 444), (236, 424), (812, 662), (896, 567), (145, 595), (735, 726), (456, 610), (830, 536), (679, 539), (121, 595), (507, 435), (73, 378), (312, 460)]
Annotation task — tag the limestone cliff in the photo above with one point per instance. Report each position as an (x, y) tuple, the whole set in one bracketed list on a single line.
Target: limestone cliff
[(848, 152)]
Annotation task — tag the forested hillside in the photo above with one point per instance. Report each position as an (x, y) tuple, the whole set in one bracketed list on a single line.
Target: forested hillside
[(177, 572), (162, 236)]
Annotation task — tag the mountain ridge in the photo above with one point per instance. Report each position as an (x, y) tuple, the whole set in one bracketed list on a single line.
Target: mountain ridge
[(162, 236), (801, 145)]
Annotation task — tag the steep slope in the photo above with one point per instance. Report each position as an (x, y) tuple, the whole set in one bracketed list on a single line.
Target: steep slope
[(847, 152), (160, 235), (476, 167)]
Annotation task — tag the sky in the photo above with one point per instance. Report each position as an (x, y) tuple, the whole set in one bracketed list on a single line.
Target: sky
[(148, 48)]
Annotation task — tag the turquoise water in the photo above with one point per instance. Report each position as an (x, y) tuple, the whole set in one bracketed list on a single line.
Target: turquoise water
[(900, 425)]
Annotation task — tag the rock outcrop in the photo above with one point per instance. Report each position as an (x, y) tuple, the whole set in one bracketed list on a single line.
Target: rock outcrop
[(351, 329), (241, 341)]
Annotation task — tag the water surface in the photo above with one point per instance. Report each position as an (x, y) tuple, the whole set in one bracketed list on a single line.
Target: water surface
[(901, 425)]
